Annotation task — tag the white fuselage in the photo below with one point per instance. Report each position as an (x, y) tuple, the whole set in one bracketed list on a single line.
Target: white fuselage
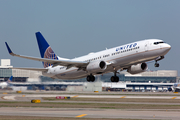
[(120, 57), (3, 84)]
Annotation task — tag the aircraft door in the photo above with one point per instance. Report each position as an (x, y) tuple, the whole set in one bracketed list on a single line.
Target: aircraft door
[(146, 46)]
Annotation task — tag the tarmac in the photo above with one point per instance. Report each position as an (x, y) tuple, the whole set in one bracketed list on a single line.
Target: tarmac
[(91, 113), (170, 114)]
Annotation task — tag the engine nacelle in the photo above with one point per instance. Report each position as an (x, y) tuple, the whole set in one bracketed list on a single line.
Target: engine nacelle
[(97, 66), (134, 69)]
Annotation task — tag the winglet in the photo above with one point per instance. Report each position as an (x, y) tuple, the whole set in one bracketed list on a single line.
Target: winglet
[(9, 50)]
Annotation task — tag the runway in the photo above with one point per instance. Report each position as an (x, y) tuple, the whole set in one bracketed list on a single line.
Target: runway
[(103, 111), (91, 113), (15, 96)]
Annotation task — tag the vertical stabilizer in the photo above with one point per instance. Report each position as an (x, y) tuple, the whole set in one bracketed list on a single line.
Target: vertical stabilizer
[(45, 49), (10, 79)]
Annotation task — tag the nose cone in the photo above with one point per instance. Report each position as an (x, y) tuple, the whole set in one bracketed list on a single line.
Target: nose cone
[(165, 48), (168, 47)]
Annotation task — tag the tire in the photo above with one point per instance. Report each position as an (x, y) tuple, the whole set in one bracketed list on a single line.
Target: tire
[(92, 78), (113, 79), (156, 64), (88, 78), (116, 79)]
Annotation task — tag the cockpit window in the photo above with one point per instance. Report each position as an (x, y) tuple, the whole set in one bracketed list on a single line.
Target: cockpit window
[(156, 43)]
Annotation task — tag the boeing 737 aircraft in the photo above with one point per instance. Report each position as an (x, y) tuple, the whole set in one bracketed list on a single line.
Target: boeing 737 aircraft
[(7, 83), (131, 57)]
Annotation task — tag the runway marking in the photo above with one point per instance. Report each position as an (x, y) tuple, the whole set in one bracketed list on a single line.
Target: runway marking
[(174, 98), (81, 115), (75, 96), (9, 97), (2, 97), (123, 97)]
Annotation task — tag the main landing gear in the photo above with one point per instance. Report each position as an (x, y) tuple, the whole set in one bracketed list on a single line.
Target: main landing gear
[(115, 78), (90, 78)]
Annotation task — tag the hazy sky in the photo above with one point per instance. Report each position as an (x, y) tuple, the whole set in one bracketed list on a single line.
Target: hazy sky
[(77, 27)]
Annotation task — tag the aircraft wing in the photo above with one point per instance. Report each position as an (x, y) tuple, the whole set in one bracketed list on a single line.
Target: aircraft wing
[(67, 63)]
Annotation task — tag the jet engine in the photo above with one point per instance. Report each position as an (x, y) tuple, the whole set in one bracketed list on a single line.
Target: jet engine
[(97, 66), (134, 69)]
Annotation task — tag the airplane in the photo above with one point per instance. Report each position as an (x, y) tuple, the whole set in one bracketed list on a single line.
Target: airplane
[(175, 87), (131, 57), (7, 83)]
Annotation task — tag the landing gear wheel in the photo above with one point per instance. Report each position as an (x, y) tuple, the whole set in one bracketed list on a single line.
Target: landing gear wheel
[(114, 79), (156, 65), (90, 78), (117, 79)]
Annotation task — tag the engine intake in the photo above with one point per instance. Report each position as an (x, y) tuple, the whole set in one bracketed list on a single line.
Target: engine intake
[(135, 69), (97, 66)]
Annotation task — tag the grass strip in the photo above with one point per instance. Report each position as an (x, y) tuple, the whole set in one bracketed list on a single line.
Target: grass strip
[(52, 118), (88, 105), (144, 100)]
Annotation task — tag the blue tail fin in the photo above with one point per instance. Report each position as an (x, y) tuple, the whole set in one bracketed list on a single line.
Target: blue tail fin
[(45, 49), (10, 79)]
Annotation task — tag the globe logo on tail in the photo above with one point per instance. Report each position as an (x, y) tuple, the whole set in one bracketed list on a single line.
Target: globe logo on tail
[(49, 53)]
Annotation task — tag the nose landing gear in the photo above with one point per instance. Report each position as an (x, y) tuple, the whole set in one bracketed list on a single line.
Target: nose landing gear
[(156, 64), (158, 59)]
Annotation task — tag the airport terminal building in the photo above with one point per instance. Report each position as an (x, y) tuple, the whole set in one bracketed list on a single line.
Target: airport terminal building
[(18, 75)]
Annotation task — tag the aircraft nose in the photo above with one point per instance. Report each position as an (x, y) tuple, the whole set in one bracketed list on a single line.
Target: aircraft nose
[(168, 46)]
